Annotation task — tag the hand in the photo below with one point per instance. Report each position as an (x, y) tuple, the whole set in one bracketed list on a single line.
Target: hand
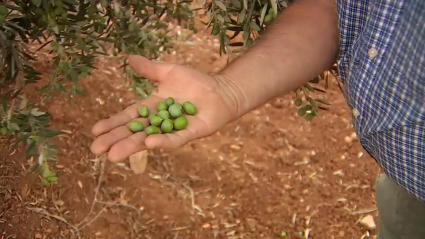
[(215, 109)]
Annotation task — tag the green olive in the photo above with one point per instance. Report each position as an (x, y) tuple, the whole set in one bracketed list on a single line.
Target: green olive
[(155, 120), (104, 3), (161, 106), (164, 114), (38, 11), (175, 110), (308, 107), (143, 111), (309, 116), (179, 105), (271, 12), (58, 11), (151, 115), (167, 126), (64, 15), (4, 131), (3, 10), (180, 123), (189, 108), (152, 130), (268, 18), (302, 111), (169, 101), (298, 102), (135, 126), (216, 29), (132, 27)]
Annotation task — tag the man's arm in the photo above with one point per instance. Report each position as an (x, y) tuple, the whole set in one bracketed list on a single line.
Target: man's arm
[(302, 42)]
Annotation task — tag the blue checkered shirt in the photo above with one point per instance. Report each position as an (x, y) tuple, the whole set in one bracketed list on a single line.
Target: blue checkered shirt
[(382, 67)]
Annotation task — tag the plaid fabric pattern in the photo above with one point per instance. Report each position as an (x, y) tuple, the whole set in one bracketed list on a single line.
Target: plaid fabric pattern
[(382, 67)]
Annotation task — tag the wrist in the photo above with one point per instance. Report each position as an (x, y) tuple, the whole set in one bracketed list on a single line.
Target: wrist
[(232, 95)]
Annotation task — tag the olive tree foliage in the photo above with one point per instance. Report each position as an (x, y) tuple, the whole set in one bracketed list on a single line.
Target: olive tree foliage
[(250, 18), (77, 31)]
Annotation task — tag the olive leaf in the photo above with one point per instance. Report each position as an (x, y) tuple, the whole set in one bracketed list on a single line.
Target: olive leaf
[(24, 103), (309, 87), (236, 44), (254, 26), (236, 3), (318, 89), (36, 112), (3, 107), (323, 101), (312, 103), (245, 4), (274, 6), (315, 80), (48, 133), (263, 13), (220, 5), (31, 149), (241, 18), (13, 126)]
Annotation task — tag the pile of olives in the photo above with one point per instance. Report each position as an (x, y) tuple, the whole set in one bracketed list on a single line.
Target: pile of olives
[(168, 118)]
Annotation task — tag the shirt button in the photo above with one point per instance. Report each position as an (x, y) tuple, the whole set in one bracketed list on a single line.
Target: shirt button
[(356, 113), (372, 52)]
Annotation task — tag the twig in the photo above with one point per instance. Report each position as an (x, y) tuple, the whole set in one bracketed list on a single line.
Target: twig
[(10, 176), (54, 203), (43, 212), (180, 228), (99, 181), (364, 211), (94, 219), (9, 114), (118, 204), (192, 195)]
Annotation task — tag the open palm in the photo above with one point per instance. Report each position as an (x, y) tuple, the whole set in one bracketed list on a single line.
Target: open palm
[(215, 109)]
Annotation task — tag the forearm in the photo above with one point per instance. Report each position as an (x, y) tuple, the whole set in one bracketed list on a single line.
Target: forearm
[(299, 45)]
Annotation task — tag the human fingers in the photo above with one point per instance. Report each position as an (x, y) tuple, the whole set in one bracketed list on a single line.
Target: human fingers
[(153, 71), (122, 118), (127, 147), (177, 138), (105, 141)]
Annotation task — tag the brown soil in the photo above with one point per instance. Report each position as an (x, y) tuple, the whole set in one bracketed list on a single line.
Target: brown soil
[(266, 173)]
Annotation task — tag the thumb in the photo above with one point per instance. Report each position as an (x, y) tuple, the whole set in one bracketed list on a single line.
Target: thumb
[(154, 71)]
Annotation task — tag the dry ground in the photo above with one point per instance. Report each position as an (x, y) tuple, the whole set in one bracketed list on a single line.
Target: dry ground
[(268, 172)]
